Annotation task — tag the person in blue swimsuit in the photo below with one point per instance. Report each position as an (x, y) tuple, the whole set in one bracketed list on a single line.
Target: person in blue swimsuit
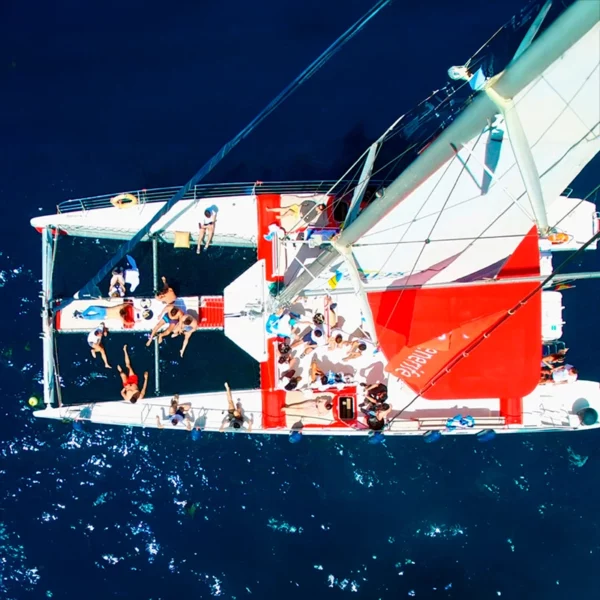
[(167, 323), (187, 325)]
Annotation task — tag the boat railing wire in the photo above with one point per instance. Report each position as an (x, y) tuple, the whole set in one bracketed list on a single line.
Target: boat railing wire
[(203, 191)]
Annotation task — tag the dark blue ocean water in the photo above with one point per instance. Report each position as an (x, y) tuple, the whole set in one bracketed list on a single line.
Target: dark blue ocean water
[(100, 97)]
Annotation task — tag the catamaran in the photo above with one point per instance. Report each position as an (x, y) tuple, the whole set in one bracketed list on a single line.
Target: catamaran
[(432, 270)]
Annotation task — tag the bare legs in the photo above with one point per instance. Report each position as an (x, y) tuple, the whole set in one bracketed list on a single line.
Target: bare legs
[(208, 230), (282, 211), (98, 348)]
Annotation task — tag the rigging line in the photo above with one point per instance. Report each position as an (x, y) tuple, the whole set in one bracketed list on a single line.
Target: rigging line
[(91, 288), (568, 103), (479, 340), (575, 207), (501, 214), (341, 194), (450, 163), (433, 241)]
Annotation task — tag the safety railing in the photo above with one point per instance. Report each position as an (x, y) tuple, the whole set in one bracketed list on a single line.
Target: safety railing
[(207, 190)]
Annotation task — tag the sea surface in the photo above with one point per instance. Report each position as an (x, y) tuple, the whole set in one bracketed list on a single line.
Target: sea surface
[(100, 97)]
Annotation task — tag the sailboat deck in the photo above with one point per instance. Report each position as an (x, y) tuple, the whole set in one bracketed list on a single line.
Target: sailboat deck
[(146, 313)]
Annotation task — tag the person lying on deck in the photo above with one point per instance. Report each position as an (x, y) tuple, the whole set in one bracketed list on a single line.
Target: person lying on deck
[(553, 359), (124, 312), (94, 340), (166, 295), (328, 379), (178, 412), (295, 211), (357, 347), (336, 340), (186, 326), (236, 417), (131, 391), (317, 407), (311, 339), (376, 392), (167, 323), (559, 375), (376, 416), (116, 287), (330, 307), (206, 228), (293, 380)]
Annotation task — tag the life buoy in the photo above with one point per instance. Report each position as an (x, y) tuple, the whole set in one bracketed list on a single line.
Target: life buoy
[(558, 237), (124, 200)]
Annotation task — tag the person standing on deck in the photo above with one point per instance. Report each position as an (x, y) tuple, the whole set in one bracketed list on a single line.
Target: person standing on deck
[(206, 227), (131, 391), (94, 340)]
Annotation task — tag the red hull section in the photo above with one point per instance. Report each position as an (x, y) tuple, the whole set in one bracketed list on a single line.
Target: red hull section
[(512, 410), (272, 399), (265, 218), (424, 331)]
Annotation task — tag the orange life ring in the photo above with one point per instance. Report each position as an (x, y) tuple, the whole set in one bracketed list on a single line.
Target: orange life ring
[(124, 200), (558, 237)]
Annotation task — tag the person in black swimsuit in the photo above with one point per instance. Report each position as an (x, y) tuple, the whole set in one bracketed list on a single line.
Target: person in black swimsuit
[(177, 414), (236, 417)]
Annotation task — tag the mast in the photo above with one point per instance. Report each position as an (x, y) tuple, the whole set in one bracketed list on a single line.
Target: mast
[(91, 288), (561, 35)]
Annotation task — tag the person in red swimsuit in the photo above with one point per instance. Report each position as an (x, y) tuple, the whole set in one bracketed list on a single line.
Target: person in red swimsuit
[(131, 391)]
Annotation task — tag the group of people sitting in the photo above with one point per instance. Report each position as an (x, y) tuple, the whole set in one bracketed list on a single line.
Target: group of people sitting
[(181, 412), (173, 321), (324, 332), (555, 371)]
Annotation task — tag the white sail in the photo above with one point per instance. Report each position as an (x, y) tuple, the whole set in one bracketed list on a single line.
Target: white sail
[(473, 211)]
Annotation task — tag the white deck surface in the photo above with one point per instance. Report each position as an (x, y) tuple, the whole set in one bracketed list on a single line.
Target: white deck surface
[(247, 293), (70, 323), (207, 410), (548, 408), (236, 220)]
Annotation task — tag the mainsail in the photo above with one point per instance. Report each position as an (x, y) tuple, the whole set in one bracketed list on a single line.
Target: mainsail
[(461, 212)]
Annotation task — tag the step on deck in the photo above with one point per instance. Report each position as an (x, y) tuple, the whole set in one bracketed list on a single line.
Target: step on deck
[(212, 312)]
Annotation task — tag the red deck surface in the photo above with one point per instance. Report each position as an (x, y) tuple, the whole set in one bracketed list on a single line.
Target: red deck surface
[(211, 314)]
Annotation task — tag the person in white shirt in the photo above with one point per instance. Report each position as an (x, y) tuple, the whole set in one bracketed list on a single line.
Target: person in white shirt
[(121, 277), (560, 375), (206, 227), (94, 340)]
